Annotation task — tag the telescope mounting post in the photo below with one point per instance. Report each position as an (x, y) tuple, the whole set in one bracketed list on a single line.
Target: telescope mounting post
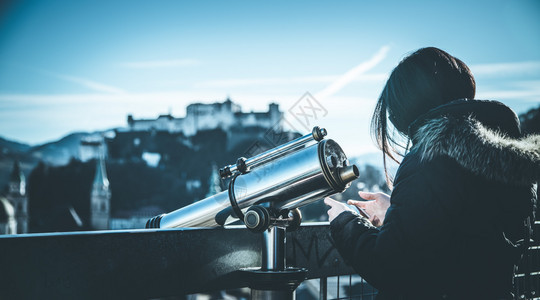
[(274, 280)]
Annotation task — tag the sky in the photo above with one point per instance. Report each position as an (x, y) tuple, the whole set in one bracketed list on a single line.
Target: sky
[(85, 65)]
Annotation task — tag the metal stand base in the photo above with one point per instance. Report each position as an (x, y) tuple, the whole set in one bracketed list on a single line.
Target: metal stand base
[(271, 285)]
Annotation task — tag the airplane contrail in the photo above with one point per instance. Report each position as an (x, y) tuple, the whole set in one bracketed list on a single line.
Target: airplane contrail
[(350, 75)]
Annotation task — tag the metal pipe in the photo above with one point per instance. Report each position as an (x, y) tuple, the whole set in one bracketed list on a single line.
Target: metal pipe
[(242, 166), (204, 213), (273, 252)]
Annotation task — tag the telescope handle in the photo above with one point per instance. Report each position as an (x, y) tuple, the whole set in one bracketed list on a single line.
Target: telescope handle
[(243, 165)]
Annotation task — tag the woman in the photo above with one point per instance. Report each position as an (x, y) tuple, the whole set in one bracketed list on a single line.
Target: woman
[(460, 198)]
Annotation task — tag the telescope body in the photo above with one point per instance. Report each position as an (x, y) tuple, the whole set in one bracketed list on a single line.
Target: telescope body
[(294, 178)]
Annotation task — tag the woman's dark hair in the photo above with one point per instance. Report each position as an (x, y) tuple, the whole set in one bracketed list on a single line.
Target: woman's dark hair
[(423, 80)]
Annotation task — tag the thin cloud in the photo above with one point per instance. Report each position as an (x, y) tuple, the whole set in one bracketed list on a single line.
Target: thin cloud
[(505, 69), (530, 95), (93, 85), (526, 91), (352, 74), (88, 83), (154, 64), (236, 82)]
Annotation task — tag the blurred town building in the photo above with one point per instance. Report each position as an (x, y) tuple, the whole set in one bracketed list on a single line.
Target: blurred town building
[(14, 207), (8, 225), (200, 116)]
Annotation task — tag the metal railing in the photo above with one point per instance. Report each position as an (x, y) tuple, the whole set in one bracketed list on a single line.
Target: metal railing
[(527, 277), (150, 264)]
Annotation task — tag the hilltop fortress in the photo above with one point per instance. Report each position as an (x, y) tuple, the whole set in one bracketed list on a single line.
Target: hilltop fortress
[(200, 116), (220, 130)]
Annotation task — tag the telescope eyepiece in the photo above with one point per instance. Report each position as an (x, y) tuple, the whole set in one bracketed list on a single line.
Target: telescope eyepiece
[(348, 174)]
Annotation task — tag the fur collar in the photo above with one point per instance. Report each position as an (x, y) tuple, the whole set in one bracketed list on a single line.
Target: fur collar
[(481, 150)]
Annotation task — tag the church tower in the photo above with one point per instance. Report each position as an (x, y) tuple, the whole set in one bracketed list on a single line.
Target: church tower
[(17, 197), (214, 182), (100, 197)]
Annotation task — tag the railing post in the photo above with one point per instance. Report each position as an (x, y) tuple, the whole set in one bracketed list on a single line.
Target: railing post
[(323, 288)]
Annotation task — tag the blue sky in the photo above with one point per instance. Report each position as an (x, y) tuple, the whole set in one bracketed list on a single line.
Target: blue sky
[(84, 65)]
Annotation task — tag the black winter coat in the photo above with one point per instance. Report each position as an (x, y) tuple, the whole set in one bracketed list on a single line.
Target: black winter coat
[(458, 206)]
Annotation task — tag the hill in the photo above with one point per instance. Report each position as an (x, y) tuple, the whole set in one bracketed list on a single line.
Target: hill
[(7, 146), (61, 151), (55, 153)]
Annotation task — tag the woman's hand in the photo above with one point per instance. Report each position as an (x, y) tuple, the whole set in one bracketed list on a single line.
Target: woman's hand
[(375, 208), (336, 208)]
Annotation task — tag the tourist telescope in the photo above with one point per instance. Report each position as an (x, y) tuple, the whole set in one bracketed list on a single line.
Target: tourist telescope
[(267, 189)]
